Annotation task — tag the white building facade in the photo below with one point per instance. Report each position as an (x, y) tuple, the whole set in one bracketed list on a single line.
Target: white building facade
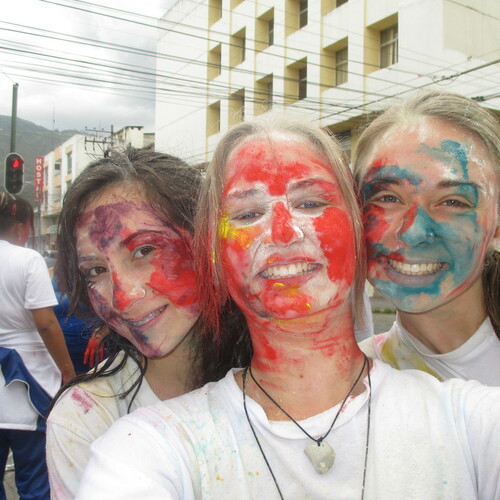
[(333, 61)]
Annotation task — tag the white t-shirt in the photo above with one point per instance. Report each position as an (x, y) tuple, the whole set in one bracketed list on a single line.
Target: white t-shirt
[(25, 284), (428, 439), (476, 359), (82, 414)]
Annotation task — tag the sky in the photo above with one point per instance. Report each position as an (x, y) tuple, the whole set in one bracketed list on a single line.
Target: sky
[(58, 52)]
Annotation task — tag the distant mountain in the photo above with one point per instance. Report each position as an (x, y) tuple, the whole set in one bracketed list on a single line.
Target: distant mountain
[(31, 141)]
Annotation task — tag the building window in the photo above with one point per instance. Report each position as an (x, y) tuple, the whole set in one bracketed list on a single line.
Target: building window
[(237, 107), (69, 163), (302, 78), (263, 95), (213, 118), (214, 62), (341, 2), (237, 50), (302, 13), (57, 165), (341, 66), (270, 32), (264, 30), (214, 11), (389, 46)]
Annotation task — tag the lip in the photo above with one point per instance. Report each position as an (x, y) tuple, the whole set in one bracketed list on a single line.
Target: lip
[(147, 319)]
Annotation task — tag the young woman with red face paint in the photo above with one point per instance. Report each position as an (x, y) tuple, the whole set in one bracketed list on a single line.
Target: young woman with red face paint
[(279, 231), (124, 245), (428, 170)]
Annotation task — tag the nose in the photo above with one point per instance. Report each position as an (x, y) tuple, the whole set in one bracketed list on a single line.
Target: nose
[(418, 228), (126, 291), (283, 227)]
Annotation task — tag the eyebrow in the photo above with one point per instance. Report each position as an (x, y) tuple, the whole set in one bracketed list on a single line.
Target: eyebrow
[(247, 193), (456, 183), (132, 236), (386, 180), (310, 182)]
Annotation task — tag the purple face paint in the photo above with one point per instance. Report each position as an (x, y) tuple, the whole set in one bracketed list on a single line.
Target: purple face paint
[(139, 271)]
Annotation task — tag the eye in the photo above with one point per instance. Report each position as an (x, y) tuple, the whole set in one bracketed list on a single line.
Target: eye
[(143, 251), (246, 217), (311, 204), (386, 198), (93, 272), (456, 203)]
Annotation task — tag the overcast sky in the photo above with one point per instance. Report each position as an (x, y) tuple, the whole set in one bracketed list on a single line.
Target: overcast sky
[(67, 79)]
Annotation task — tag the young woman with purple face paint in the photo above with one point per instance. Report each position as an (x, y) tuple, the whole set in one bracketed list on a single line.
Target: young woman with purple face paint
[(279, 231), (428, 171), (125, 251)]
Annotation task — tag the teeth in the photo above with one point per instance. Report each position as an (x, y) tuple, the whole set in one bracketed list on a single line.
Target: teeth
[(288, 270), (147, 318), (415, 269)]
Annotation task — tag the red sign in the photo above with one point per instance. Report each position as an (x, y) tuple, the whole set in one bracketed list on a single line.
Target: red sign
[(39, 178)]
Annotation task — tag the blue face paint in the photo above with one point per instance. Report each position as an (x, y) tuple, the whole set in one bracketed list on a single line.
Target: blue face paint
[(424, 234), (449, 153)]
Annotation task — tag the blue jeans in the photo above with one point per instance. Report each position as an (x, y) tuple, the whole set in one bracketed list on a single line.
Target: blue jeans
[(28, 448)]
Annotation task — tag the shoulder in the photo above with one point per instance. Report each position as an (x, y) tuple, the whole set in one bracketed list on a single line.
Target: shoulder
[(100, 397), (372, 346), (417, 387)]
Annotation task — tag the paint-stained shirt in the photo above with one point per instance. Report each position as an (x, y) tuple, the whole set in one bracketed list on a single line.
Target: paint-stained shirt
[(82, 414), (427, 439), (476, 359)]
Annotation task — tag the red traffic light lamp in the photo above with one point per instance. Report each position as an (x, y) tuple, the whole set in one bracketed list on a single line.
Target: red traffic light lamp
[(14, 173)]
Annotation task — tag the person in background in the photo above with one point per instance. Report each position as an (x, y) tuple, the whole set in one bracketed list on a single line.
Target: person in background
[(33, 355), (125, 252), (279, 230), (428, 170), (80, 331)]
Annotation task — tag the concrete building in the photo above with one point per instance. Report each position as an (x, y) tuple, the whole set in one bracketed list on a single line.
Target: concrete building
[(334, 61), (64, 163)]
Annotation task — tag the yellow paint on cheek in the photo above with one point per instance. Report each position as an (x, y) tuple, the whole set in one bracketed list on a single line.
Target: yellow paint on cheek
[(243, 236)]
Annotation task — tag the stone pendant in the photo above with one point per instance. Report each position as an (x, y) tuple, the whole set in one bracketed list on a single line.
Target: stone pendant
[(322, 456)]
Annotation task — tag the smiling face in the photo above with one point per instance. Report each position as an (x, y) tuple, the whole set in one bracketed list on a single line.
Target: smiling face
[(430, 214), (286, 237), (139, 271)]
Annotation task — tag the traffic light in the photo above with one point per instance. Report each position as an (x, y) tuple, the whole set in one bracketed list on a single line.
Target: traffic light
[(14, 173)]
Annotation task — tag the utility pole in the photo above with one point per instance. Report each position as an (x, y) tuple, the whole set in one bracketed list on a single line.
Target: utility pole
[(13, 120)]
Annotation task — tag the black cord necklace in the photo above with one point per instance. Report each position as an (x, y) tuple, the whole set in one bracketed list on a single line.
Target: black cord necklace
[(319, 467)]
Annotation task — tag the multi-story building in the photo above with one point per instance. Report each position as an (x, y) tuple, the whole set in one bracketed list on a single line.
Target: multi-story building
[(64, 163), (334, 61)]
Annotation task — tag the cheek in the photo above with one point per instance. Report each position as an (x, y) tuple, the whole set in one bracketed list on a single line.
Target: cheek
[(100, 303), (173, 275), (376, 225), (336, 237), (236, 243)]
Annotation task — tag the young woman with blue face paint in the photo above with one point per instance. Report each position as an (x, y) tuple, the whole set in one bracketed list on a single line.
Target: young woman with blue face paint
[(428, 171)]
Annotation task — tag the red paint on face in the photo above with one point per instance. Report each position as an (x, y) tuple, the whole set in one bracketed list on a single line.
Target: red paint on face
[(282, 230), (139, 271), (285, 214), (175, 277)]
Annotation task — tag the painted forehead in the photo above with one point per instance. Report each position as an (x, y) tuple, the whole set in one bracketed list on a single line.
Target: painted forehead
[(275, 163), (411, 150), (117, 214)]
